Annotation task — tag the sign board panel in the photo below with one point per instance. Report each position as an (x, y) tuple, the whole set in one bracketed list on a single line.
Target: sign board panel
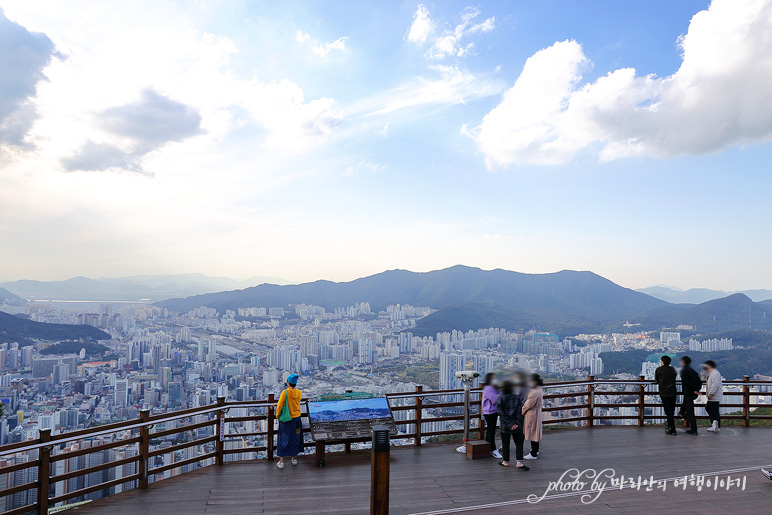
[(341, 420)]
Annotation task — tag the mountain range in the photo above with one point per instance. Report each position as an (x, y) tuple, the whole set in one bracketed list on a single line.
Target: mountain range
[(584, 293), (699, 295), (132, 288), (566, 302)]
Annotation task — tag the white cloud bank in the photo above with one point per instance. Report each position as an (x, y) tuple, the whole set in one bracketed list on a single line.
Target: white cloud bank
[(719, 97), (147, 87)]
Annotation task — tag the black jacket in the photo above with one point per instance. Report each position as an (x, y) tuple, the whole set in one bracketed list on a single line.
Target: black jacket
[(665, 376), (690, 382), (510, 409)]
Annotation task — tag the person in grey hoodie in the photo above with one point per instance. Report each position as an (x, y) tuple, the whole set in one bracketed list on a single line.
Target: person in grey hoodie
[(715, 391)]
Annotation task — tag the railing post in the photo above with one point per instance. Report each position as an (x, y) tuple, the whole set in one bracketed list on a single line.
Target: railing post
[(44, 472), (144, 449), (219, 433), (746, 402), (269, 429), (641, 401), (480, 420), (590, 401), (379, 472), (419, 411)]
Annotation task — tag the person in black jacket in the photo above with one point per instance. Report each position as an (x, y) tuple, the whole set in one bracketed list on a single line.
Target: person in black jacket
[(690, 388), (665, 377), (510, 410)]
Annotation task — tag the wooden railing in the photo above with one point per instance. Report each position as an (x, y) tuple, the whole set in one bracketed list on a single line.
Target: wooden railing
[(576, 405)]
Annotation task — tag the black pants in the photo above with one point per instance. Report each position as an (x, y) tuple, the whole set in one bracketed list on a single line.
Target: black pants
[(688, 408), (519, 438), (490, 429), (534, 448), (713, 412), (668, 403)]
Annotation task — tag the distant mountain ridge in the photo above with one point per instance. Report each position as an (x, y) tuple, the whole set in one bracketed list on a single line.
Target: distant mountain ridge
[(585, 297), (733, 312), (699, 295), (132, 288), (566, 302)]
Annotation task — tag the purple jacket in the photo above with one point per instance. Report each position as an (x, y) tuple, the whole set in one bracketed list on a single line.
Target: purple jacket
[(490, 397)]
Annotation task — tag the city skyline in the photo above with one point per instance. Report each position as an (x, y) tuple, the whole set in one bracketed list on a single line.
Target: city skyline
[(338, 140)]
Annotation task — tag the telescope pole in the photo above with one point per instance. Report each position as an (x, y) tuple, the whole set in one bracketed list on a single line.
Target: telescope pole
[(466, 411)]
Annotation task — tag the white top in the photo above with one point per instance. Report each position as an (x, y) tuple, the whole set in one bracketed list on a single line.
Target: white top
[(715, 386)]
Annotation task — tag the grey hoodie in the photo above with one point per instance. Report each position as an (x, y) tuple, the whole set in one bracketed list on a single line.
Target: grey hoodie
[(715, 386)]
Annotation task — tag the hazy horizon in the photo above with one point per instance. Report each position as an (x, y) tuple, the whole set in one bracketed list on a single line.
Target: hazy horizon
[(290, 280)]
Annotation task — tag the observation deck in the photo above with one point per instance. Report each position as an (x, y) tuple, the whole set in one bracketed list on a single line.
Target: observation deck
[(219, 459)]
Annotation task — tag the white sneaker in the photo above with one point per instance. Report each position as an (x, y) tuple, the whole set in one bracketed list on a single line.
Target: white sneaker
[(530, 457), (280, 465), (767, 474), (496, 454)]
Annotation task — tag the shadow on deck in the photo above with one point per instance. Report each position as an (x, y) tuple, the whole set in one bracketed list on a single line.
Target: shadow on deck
[(434, 478)]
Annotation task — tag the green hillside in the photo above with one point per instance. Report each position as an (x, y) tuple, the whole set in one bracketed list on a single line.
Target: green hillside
[(16, 329), (733, 364)]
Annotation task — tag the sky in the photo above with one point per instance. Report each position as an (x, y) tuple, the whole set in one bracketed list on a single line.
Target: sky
[(333, 140)]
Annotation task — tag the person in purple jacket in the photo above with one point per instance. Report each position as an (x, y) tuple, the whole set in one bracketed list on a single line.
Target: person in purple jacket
[(490, 396)]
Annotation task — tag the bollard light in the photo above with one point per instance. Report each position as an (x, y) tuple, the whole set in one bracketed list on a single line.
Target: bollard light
[(379, 472)]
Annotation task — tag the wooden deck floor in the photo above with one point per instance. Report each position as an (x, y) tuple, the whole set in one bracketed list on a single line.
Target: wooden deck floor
[(434, 478)]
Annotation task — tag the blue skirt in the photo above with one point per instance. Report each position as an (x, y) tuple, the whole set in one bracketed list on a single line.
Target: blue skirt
[(289, 440)]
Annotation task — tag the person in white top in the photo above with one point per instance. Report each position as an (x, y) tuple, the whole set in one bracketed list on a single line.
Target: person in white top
[(715, 393)]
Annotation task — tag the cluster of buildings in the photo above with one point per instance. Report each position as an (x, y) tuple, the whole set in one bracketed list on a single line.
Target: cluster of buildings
[(712, 345)]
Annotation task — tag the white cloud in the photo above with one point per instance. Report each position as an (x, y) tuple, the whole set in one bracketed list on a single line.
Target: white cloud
[(421, 27), (448, 42), (719, 97), (302, 37), (451, 86), (143, 126), (526, 121), (363, 167), (23, 56), (321, 49)]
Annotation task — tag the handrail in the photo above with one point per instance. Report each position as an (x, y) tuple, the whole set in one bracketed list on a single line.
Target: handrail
[(159, 419), (579, 406)]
